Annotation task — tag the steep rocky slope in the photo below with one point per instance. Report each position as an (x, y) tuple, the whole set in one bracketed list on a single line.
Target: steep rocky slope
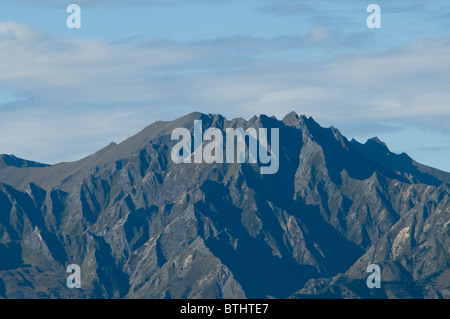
[(141, 226)]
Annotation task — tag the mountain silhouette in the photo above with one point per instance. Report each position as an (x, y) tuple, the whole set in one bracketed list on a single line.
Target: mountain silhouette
[(141, 226)]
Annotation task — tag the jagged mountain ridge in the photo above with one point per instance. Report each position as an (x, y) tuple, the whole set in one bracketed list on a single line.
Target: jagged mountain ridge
[(142, 227)]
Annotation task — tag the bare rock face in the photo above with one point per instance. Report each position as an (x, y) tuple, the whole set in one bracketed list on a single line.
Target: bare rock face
[(141, 226)]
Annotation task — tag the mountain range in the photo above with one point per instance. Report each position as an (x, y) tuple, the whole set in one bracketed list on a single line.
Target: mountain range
[(141, 226)]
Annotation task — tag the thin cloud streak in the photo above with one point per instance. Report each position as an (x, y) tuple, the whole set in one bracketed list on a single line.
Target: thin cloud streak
[(221, 75)]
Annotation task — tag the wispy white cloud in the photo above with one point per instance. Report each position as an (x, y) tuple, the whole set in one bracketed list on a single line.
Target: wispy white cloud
[(327, 7), (36, 65), (109, 3), (84, 90)]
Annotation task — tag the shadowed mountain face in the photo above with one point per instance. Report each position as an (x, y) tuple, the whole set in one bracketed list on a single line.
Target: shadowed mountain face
[(141, 226)]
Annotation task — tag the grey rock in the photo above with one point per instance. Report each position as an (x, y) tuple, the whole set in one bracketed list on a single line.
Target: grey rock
[(141, 226)]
